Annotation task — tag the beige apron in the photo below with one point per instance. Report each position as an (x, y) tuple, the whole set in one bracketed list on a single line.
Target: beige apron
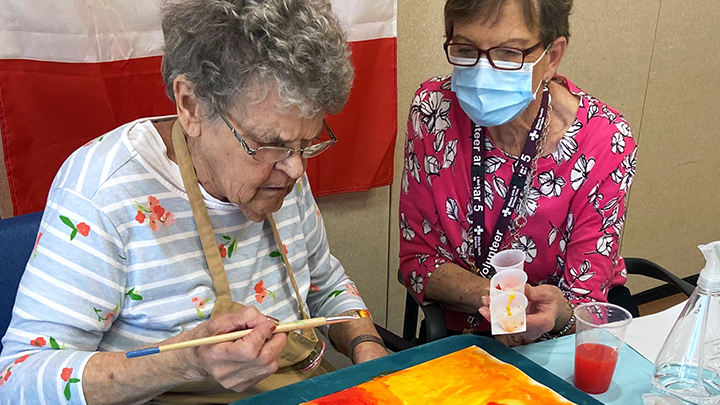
[(301, 349)]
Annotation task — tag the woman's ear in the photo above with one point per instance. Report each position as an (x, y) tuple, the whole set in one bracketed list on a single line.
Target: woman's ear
[(555, 54), (189, 109)]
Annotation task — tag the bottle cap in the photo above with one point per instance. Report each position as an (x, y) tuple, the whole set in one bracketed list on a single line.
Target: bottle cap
[(709, 279)]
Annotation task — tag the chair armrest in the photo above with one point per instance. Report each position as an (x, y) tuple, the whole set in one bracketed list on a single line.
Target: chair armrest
[(434, 318), (434, 321), (410, 319), (393, 341), (636, 265)]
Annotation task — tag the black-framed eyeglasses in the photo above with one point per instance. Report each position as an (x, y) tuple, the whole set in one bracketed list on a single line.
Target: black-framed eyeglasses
[(500, 57), (272, 154)]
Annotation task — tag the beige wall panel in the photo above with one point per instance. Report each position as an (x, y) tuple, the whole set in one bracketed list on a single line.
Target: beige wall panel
[(675, 196), (609, 56), (357, 230), (420, 56), (610, 50)]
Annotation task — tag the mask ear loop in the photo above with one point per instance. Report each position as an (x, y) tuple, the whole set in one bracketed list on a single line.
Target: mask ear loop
[(544, 84)]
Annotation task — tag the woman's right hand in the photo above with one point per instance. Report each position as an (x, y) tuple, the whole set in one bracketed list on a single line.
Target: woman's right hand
[(547, 310), (238, 364)]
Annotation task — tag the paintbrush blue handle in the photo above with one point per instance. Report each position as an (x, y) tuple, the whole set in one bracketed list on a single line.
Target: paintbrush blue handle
[(142, 352)]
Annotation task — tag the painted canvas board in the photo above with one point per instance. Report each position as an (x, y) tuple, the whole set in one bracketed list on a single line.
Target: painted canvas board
[(466, 377)]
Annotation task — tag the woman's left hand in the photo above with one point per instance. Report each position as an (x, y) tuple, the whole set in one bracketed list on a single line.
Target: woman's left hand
[(547, 311)]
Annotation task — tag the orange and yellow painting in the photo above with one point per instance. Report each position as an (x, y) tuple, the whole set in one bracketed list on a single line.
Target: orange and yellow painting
[(469, 376)]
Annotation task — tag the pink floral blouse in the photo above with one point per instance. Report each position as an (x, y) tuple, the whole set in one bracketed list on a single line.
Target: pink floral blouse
[(576, 207)]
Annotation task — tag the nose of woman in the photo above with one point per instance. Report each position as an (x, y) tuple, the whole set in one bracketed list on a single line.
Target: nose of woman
[(293, 166)]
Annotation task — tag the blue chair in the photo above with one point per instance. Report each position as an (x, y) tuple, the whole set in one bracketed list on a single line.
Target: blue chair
[(17, 239)]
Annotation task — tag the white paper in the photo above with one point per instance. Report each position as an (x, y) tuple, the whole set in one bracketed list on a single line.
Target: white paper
[(647, 334)]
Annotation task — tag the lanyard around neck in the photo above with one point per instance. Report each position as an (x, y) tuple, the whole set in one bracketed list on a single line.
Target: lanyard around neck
[(521, 168)]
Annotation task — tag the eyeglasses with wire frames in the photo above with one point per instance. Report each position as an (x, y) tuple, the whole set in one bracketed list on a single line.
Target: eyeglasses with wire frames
[(500, 57), (272, 154)]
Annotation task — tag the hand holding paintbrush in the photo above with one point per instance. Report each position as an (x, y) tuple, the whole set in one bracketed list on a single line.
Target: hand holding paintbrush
[(226, 337)]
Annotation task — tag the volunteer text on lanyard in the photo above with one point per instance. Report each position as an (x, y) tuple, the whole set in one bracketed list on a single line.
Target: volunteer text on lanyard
[(521, 169)]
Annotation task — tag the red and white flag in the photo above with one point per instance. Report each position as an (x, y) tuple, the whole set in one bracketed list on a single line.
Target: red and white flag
[(71, 70)]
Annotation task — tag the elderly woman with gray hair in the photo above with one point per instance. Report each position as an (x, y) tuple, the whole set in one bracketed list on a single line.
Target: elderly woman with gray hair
[(174, 228)]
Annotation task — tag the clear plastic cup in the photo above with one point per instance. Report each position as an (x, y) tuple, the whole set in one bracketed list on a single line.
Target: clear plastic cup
[(510, 280), (507, 312), (599, 334), (508, 259)]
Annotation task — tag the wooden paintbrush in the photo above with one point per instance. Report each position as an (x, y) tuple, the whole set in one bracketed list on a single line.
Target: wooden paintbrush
[(281, 328)]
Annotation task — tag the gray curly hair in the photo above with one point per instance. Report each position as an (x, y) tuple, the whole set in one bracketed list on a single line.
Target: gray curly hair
[(231, 50)]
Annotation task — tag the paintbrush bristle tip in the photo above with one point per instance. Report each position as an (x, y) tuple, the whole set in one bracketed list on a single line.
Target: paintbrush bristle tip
[(364, 313)]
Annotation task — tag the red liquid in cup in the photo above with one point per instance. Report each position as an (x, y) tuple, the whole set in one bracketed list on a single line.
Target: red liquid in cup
[(594, 367)]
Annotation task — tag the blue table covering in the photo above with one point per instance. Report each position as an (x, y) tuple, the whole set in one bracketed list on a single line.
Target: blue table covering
[(632, 377), (348, 377)]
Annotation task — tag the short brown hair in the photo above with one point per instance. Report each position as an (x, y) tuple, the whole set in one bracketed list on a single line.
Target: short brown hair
[(552, 15)]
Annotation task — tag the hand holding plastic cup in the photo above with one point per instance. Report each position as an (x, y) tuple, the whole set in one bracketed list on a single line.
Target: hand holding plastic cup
[(508, 259), (507, 312), (599, 334)]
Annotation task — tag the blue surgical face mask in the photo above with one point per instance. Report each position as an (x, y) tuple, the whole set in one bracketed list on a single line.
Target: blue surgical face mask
[(490, 96)]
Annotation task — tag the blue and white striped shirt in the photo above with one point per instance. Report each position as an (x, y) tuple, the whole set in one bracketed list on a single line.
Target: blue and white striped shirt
[(119, 264)]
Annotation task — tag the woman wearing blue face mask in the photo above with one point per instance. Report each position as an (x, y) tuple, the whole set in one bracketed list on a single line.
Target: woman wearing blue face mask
[(504, 154)]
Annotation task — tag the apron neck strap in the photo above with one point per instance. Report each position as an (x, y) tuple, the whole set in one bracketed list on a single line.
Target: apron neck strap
[(200, 214), (285, 260)]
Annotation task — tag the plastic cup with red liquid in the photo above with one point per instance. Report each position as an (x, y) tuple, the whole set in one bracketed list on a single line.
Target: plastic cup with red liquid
[(599, 334)]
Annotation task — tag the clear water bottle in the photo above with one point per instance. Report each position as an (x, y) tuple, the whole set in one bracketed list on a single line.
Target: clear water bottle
[(688, 366)]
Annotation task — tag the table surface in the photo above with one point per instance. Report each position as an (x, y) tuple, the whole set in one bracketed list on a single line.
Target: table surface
[(632, 378), (647, 334), (550, 363), (351, 376)]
